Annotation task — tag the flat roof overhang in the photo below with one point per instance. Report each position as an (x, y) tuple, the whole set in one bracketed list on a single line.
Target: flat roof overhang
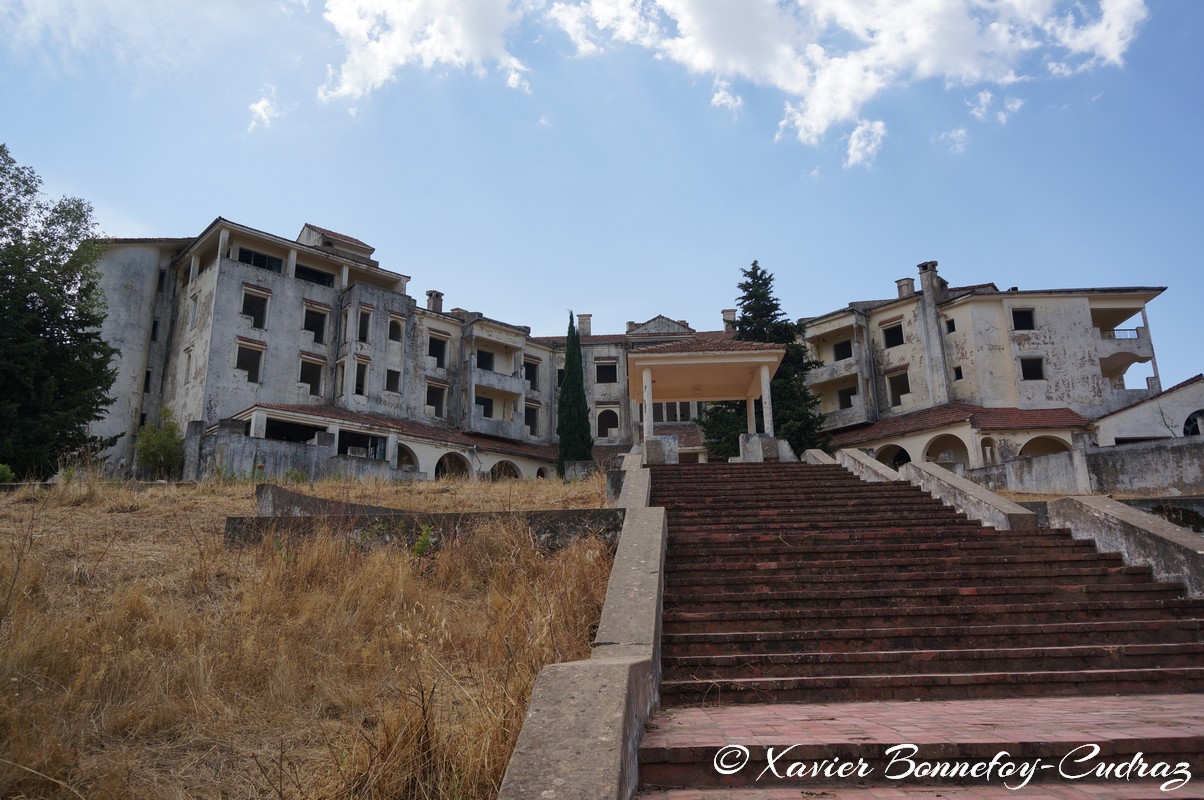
[(701, 376)]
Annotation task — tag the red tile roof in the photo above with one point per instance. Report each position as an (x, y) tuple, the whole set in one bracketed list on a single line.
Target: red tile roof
[(622, 338), (452, 436), (700, 344), (999, 419), (1180, 385)]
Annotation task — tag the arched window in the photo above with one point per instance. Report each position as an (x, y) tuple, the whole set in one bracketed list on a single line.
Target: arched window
[(503, 471), (1195, 421), (452, 465), (894, 456), (607, 421), (406, 458), (1043, 446)]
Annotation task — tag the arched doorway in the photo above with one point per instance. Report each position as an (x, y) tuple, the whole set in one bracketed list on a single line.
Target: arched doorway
[(406, 458), (452, 465), (504, 471), (542, 472), (607, 421), (947, 449), (1044, 446), (893, 456)]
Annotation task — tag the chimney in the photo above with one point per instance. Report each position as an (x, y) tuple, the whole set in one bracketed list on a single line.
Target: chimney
[(931, 283), (583, 324), (434, 301), (907, 286), (630, 326), (729, 320)]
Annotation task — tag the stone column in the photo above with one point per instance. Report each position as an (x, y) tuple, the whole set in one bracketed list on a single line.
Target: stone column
[(290, 264), (259, 424), (766, 401), (647, 380), (750, 413), (391, 450), (223, 245)]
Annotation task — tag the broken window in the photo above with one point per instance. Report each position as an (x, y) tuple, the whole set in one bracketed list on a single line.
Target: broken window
[(255, 306), (842, 350), (1032, 369), (248, 359), (162, 280), (435, 395), (950, 325), (392, 380), (486, 404), (361, 377), (892, 336), (531, 420), (531, 374), (606, 373), (261, 260), (485, 360), (560, 377), (365, 323), (436, 348), (311, 275), (957, 373), (844, 397), (315, 323), (899, 386), (155, 331), (311, 373), (146, 382), (394, 330), (1022, 319)]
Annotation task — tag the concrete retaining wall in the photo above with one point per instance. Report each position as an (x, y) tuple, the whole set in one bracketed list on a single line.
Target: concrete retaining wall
[(581, 735), (968, 497), (1175, 554), (865, 467)]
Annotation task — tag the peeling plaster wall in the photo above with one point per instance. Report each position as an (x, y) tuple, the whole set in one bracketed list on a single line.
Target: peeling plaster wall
[(1162, 418)]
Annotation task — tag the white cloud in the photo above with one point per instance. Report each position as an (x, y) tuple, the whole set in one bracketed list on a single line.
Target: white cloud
[(723, 98), (382, 36), (864, 143), (264, 110), (1010, 106), (956, 139), (544, 122), (981, 106)]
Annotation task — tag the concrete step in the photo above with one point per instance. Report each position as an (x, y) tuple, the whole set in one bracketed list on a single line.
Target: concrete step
[(805, 565), (769, 547)]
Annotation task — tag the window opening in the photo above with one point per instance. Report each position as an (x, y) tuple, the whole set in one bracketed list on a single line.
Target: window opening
[(361, 376), (531, 375), (899, 386), (892, 336), (485, 360), (146, 382), (842, 350), (435, 396), (486, 404), (607, 421), (365, 322), (315, 323), (394, 330), (844, 397), (311, 275), (1022, 319), (531, 420), (155, 331), (261, 260), (1032, 369), (311, 373), (957, 373), (249, 359), (255, 306), (606, 373), (437, 349), (392, 380), (950, 325)]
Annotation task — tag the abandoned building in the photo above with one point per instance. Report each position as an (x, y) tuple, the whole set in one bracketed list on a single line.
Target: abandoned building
[(305, 354)]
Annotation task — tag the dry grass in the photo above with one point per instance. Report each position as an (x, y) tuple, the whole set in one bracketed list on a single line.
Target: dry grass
[(139, 658)]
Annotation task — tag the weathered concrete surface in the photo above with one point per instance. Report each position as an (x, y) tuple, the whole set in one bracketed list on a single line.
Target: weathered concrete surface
[(581, 735), (661, 450), (1186, 512), (637, 486), (815, 456), (969, 498), (865, 467), (1174, 553), (758, 447)]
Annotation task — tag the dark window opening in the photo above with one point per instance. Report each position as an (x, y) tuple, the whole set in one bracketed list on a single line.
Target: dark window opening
[(361, 377), (559, 378), (315, 323), (365, 322), (531, 374), (311, 275), (1032, 369), (844, 397), (606, 373), (363, 445), (486, 404), (892, 336), (434, 398), (437, 349), (394, 330), (155, 331), (311, 373), (1191, 427), (162, 281), (899, 386), (340, 379), (282, 431), (261, 260), (392, 380), (842, 350), (531, 420), (146, 382), (249, 359), (485, 360), (1022, 319), (141, 420), (255, 306), (957, 373), (607, 422), (950, 325)]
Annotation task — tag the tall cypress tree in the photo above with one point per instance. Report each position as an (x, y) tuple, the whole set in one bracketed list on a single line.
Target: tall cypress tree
[(575, 443), (54, 366), (795, 409)]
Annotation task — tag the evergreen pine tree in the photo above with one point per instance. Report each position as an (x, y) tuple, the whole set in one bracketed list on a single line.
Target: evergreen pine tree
[(54, 366), (795, 409), (575, 442)]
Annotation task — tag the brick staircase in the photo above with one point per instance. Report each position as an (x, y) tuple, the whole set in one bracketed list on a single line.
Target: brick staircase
[(799, 583)]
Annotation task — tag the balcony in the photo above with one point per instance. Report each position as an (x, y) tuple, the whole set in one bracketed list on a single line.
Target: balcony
[(509, 384), (844, 417), (832, 372), (1120, 348), (504, 428)]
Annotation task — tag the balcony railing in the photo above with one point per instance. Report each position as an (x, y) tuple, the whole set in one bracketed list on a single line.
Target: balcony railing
[(831, 372), (1121, 333)]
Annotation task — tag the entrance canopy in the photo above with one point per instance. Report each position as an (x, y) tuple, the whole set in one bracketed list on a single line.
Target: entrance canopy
[(704, 370)]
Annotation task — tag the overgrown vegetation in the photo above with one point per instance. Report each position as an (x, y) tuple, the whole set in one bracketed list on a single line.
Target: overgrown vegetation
[(140, 658), (54, 366), (159, 451)]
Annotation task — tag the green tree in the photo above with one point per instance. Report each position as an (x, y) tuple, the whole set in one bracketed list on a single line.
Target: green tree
[(574, 440), (796, 414), (159, 451), (54, 366)]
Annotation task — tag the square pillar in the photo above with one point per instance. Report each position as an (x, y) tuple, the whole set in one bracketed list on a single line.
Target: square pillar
[(766, 401), (647, 380)]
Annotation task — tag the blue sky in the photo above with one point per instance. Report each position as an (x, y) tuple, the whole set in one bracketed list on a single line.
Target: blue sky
[(627, 158)]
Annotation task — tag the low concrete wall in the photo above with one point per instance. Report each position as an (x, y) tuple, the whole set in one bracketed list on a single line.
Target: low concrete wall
[(865, 467), (814, 456), (968, 497), (1165, 468), (581, 735), (235, 455), (1175, 554), (1186, 512)]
